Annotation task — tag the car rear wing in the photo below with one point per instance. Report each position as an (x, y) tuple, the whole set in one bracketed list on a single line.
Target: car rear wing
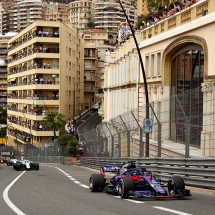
[(115, 169)]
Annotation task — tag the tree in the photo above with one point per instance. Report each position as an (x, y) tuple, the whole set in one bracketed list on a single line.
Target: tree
[(66, 139), (138, 23), (90, 25), (54, 121), (154, 6)]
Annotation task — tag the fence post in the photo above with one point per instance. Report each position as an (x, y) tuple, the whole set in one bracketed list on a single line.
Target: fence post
[(112, 146), (119, 144), (187, 138), (141, 152), (128, 143), (159, 139)]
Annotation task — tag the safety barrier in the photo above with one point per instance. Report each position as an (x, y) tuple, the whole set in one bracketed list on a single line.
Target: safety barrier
[(195, 172)]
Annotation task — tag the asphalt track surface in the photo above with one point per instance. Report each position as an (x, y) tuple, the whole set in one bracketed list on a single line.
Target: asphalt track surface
[(63, 190), (88, 122)]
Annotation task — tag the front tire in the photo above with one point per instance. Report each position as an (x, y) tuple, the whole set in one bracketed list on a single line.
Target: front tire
[(124, 186), (175, 183), (96, 182)]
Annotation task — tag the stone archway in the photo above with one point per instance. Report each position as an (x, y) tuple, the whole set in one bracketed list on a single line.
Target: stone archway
[(181, 59), (173, 47)]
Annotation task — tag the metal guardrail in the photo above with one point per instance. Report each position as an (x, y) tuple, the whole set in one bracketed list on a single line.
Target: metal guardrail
[(195, 172), (50, 159)]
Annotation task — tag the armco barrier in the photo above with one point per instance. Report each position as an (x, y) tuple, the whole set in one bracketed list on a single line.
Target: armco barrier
[(195, 172), (50, 159)]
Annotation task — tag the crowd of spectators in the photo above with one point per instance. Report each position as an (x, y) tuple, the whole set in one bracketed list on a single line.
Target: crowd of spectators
[(124, 30), (20, 135), (36, 126), (164, 13), (42, 96)]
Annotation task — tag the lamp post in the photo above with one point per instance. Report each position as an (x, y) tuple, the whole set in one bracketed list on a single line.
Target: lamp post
[(144, 78)]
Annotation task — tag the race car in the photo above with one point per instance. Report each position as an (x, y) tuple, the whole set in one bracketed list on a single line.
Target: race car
[(25, 165), (11, 162), (131, 181)]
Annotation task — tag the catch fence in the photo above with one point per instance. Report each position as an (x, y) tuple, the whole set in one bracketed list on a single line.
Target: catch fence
[(179, 126)]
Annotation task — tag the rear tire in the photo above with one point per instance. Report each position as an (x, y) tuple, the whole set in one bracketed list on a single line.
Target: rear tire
[(96, 183), (175, 183), (124, 186), (36, 166)]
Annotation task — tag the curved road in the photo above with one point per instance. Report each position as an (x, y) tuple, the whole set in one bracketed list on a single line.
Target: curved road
[(88, 122), (63, 190)]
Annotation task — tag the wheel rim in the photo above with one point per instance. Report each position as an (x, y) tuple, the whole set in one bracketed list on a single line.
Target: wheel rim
[(91, 184)]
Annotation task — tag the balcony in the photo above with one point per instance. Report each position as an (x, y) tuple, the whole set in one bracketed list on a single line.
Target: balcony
[(91, 68), (30, 37), (29, 130), (34, 85), (37, 69), (91, 56), (29, 100), (89, 89)]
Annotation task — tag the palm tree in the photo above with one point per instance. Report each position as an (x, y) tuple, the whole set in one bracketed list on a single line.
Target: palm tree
[(54, 121)]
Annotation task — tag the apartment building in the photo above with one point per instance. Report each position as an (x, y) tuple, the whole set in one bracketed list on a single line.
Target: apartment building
[(55, 12), (45, 64), (3, 71), (80, 13), (108, 15), (95, 47)]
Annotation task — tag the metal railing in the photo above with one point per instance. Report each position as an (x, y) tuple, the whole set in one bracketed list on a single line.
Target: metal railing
[(195, 172)]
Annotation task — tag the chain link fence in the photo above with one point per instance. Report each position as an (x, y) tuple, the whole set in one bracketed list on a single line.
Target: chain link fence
[(179, 126)]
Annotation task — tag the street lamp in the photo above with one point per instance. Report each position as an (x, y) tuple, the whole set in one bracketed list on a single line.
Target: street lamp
[(144, 78)]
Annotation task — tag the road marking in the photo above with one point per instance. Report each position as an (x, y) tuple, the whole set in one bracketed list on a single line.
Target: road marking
[(171, 211), (77, 182), (85, 186), (130, 200), (73, 179), (134, 201), (7, 200)]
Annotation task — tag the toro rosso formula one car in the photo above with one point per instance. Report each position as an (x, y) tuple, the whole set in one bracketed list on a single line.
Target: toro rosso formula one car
[(25, 165), (131, 181)]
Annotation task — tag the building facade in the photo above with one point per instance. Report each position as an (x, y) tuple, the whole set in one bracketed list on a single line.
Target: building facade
[(178, 62), (95, 48), (108, 15), (80, 13), (45, 61), (3, 71), (55, 12)]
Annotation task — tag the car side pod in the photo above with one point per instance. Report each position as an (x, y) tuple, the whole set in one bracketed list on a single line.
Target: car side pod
[(96, 183)]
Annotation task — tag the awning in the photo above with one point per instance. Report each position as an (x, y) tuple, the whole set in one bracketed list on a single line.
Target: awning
[(24, 105), (12, 79), (34, 29)]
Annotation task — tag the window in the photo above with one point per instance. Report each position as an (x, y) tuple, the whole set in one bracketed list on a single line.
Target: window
[(69, 79), (147, 66), (152, 64), (158, 63)]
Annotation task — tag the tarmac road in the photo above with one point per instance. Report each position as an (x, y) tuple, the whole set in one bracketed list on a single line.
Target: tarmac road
[(63, 189)]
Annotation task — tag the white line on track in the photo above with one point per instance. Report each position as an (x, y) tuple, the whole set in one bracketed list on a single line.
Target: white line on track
[(170, 210), (134, 201), (85, 186), (130, 200), (7, 200)]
